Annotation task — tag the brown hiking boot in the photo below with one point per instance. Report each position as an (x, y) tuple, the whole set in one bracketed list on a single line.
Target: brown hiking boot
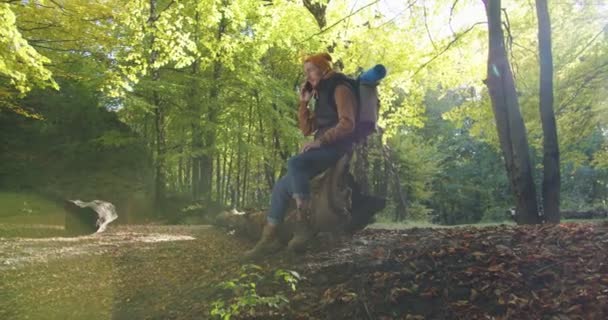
[(267, 244), (303, 232)]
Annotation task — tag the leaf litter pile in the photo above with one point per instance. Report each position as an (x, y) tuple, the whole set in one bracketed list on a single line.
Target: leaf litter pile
[(498, 272), (501, 272)]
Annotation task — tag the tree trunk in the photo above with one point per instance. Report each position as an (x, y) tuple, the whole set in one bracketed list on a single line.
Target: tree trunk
[(317, 9), (195, 161), (247, 155), (218, 178), (383, 192), (238, 170), (197, 132), (206, 161), (509, 123), (160, 184), (228, 186), (266, 159), (180, 171), (551, 169), (224, 176), (362, 166), (206, 169), (187, 176), (159, 119), (399, 197)]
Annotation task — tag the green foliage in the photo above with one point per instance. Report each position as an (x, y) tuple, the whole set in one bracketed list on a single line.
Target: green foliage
[(224, 74), (419, 163), (19, 62), (78, 150), (496, 214), (244, 297)]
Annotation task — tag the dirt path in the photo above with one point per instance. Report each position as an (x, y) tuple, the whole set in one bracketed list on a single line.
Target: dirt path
[(17, 252), (132, 272)]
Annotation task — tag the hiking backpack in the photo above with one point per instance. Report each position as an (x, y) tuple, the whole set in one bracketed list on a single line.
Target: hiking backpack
[(366, 91)]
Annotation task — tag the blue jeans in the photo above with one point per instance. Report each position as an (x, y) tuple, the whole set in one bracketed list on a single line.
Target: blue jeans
[(296, 183)]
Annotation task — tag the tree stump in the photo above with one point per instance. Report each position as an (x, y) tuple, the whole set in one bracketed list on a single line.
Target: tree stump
[(338, 208)]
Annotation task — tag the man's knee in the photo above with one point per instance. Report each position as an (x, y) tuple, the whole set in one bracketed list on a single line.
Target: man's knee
[(282, 185)]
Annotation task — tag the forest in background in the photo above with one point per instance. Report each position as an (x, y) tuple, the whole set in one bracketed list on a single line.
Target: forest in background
[(175, 108)]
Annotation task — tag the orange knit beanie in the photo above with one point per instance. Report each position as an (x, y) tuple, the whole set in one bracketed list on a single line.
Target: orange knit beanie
[(321, 60)]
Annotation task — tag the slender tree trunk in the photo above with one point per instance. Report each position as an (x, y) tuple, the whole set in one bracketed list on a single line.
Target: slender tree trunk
[(206, 161), (244, 190), (551, 169), (227, 186), (224, 176), (362, 166), (278, 148), (266, 160), (161, 179), (195, 162), (187, 175), (218, 178), (383, 192), (399, 196), (180, 172), (197, 143), (377, 176), (239, 152), (509, 123), (159, 118), (197, 132), (247, 154), (206, 169), (150, 141)]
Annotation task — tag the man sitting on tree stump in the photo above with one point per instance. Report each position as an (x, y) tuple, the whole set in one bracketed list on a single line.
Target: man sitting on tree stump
[(334, 102)]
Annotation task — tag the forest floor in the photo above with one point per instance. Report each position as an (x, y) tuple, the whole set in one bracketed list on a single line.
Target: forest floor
[(188, 272)]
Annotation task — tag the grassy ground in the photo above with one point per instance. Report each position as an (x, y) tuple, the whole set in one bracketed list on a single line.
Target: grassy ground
[(24, 208)]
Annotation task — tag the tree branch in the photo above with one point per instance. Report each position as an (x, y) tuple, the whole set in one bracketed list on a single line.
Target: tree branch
[(97, 19), (154, 19), (456, 38), (426, 25), (604, 29), (56, 49), (451, 15), (410, 5), (57, 4), (48, 40), (339, 21), (167, 7), (586, 81), (52, 25)]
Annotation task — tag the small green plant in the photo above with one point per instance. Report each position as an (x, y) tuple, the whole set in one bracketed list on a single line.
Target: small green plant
[(243, 296)]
